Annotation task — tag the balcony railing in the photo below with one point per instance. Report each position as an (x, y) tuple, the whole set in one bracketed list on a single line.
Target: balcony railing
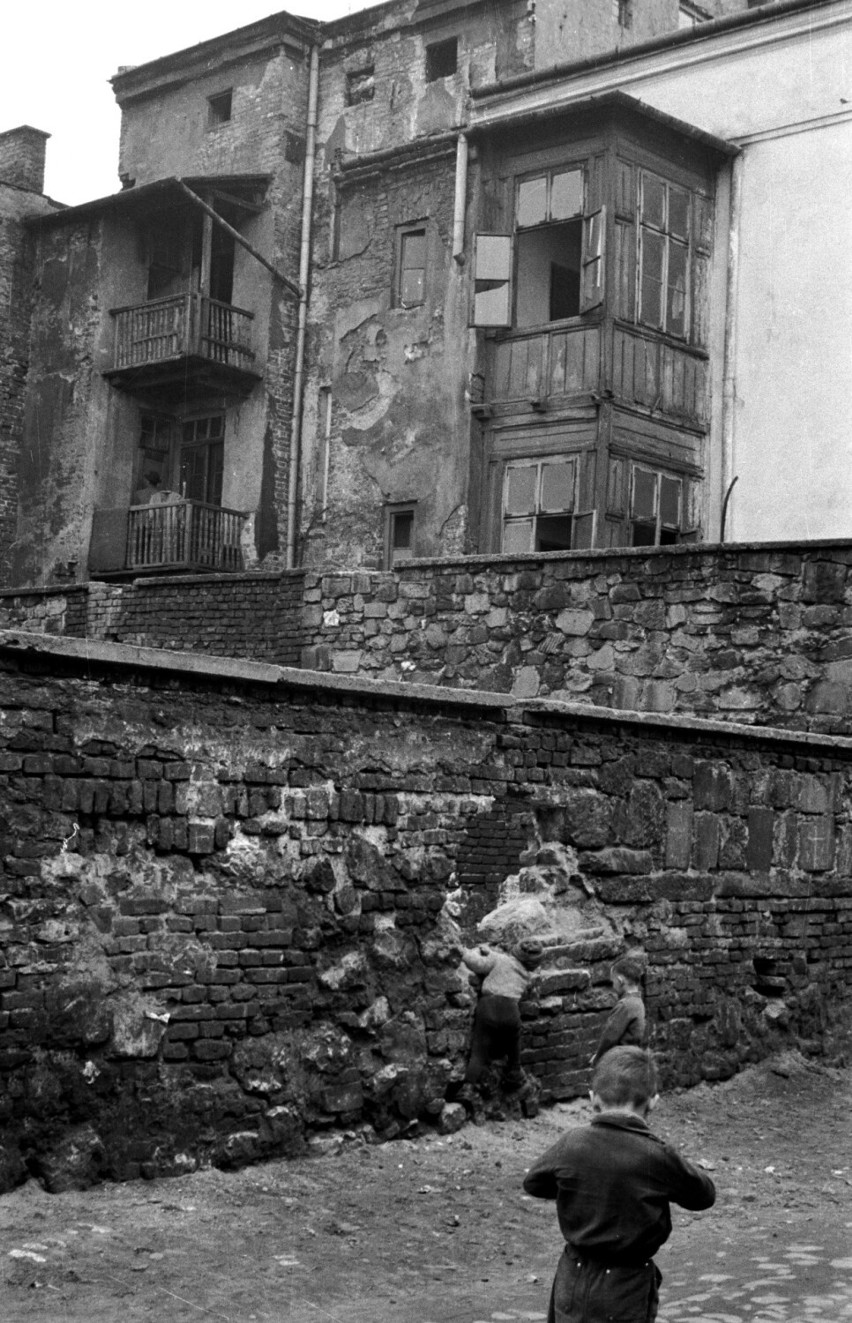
[(174, 535), (181, 326)]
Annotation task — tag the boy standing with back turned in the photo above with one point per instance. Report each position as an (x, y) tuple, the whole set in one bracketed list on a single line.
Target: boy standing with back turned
[(613, 1182)]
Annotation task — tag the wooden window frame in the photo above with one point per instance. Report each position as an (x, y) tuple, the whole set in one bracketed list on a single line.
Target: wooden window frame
[(391, 515), (411, 230)]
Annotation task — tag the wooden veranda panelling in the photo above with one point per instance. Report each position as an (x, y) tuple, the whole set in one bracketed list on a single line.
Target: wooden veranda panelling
[(560, 362), (658, 375)]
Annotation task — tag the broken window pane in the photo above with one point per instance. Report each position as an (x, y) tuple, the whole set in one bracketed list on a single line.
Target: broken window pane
[(553, 533), (557, 485), (532, 201), (566, 195), (521, 481)]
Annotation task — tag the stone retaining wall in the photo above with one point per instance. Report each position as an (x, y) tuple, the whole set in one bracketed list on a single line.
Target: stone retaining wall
[(232, 901), (747, 633)]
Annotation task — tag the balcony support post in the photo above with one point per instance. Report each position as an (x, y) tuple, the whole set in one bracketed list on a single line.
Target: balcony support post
[(239, 238)]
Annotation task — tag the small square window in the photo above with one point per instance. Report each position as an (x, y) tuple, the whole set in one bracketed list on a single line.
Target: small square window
[(411, 267), (399, 534), (220, 107), (360, 85), (442, 59)]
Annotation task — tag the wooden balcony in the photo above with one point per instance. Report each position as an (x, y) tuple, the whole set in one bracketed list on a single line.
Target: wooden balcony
[(168, 538), (161, 345)]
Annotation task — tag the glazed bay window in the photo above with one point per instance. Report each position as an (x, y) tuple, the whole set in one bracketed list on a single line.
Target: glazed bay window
[(656, 508), (539, 507), (554, 258), (663, 255)]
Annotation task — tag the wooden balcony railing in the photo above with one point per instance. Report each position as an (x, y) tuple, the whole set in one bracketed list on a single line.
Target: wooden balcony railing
[(537, 363), (182, 325), (183, 535)]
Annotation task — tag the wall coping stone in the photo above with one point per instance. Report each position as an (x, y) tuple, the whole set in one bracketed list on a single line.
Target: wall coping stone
[(13, 641), (684, 549)]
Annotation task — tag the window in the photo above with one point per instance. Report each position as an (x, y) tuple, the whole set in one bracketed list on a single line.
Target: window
[(360, 85), (549, 237), (166, 257), (442, 59), (688, 15), (202, 456), (411, 266), (656, 508), (557, 251), (624, 13), (219, 108), (399, 534), (538, 505), (663, 254)]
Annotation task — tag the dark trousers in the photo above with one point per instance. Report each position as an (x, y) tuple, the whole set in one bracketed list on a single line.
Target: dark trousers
[(585, 1292), (496, 1034)]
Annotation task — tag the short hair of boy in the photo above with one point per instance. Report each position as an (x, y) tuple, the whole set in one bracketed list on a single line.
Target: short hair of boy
[(625, 1075), (630, 967)]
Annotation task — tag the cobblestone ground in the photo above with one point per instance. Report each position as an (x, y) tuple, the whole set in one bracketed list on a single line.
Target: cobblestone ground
[(437, 1230)]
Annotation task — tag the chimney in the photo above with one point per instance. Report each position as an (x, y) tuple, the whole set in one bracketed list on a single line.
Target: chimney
[(22, 158)]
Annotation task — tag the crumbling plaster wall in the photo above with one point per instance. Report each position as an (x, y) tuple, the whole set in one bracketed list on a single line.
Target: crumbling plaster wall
[(231, 905), (165, 132), (16, 274), (399, 430)]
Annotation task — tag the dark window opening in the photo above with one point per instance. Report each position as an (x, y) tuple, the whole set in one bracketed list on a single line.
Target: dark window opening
[(656, 509), (624, 13), (442, 59), (360, 86), (548, 273), (202, 456), (538, 505), (220, 107), (166, 257), (222, 266), (411, 272), (549, 246), (399, 534)]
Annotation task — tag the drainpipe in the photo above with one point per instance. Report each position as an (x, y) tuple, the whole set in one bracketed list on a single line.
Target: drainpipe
[(729, 385), (301, 330), (460, 199)]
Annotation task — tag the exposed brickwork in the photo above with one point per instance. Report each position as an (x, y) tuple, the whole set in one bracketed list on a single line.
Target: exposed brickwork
[(224, 922), (741, 633)]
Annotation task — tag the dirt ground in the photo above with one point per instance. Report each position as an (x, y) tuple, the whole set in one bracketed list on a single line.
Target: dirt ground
[(437, 1228)]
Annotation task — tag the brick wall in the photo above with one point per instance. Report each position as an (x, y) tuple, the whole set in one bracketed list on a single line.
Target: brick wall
[(227, 918), (256, 616), (745, 633)]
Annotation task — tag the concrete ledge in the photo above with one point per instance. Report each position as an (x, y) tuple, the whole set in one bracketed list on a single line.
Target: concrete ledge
[(202, 665)]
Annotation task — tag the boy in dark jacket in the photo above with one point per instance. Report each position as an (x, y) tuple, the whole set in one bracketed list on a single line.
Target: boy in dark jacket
[(613, 1182), (626, 1024)]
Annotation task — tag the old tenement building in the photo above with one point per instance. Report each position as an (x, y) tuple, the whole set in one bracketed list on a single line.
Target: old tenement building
[(439, 279)]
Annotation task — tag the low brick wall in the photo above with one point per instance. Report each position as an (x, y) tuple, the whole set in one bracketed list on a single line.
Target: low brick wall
[(746, 633), (257, 616), (230, 893)]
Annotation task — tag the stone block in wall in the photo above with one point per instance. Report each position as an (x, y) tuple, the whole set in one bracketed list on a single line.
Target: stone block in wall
[(816, 844), (678, 835)]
